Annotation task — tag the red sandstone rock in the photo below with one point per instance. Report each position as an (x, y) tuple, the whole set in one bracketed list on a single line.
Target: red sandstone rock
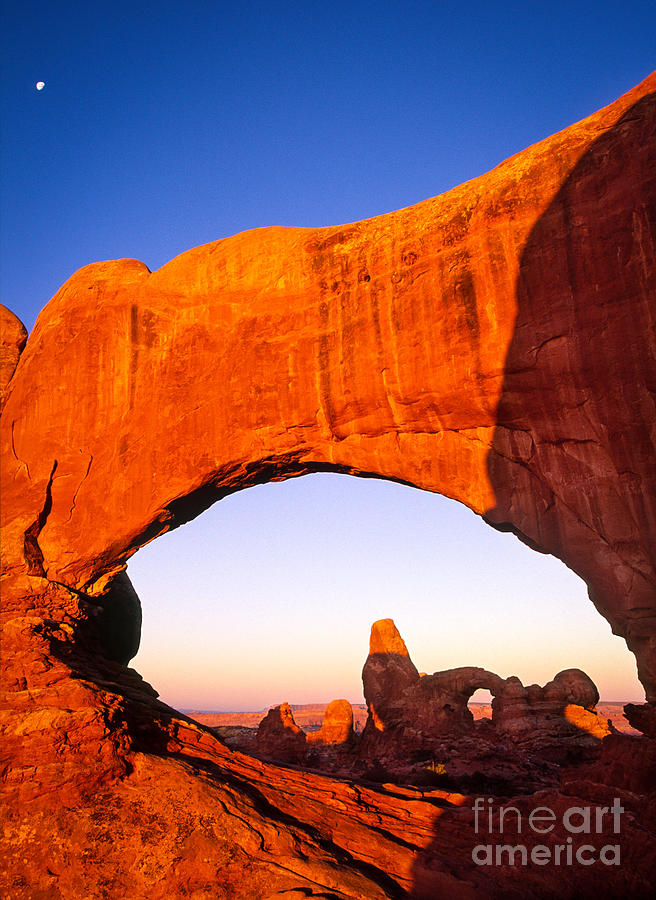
[(408, 712), (408, 707), (387, 674), (494, 344), (13, 336), (337, 725), (572, 686), (385, 638), (564, 710), (279, 737)]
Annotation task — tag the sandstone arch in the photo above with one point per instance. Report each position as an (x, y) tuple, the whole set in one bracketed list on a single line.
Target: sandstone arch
[(397, 695), (494, 344), (457, 345), (408, 711)]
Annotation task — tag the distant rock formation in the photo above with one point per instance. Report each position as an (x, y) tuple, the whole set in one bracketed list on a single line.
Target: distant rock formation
[(408, 710), (337, 726), (565, 707), (279, 737), (411, 715), (388, 673)]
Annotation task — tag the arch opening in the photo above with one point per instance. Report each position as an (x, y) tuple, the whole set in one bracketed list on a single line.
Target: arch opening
[(270, 594)]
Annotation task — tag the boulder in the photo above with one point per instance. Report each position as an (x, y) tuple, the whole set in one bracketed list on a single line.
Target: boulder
[(572, 686)]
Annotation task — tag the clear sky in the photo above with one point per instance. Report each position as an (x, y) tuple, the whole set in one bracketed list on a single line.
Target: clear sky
[(165, 125)]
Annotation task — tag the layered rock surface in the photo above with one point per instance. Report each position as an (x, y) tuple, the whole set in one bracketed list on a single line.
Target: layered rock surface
[(494, 344)]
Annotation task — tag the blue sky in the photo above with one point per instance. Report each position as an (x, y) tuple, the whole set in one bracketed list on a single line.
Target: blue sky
[(166, 125)]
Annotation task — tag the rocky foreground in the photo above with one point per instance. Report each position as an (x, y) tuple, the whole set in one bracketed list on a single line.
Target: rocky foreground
[(495, 344)]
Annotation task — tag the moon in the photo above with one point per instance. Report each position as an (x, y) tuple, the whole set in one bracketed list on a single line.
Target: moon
[(40, 85)]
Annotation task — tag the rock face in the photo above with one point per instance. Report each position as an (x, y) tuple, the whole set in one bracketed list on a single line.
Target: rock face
[(13, 336), (494, 344)]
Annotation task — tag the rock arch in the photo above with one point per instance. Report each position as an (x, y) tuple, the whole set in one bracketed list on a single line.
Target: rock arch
[(407, 710), (398, 695), (494, 344)]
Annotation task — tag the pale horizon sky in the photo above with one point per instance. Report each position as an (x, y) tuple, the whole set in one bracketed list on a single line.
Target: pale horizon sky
[(163, 126)]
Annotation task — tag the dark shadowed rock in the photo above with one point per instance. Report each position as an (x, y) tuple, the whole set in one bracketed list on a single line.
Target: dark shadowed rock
[(119, 620), (279, 737), (642, 716), (387, 674)]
